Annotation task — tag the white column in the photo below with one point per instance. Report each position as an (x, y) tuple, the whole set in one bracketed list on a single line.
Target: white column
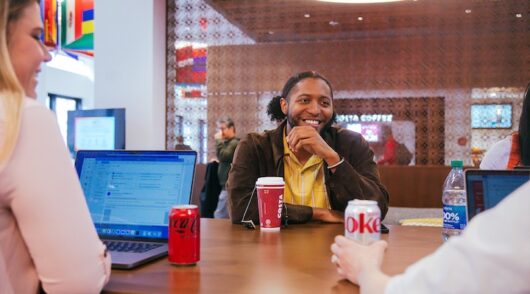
[(130, 66)]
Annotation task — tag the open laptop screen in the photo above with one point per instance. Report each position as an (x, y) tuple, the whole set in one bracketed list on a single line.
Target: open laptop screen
[(130, 193), (486, 188)]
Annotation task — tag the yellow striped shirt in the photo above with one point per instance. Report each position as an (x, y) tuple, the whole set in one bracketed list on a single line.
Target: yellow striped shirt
[(304, 184)]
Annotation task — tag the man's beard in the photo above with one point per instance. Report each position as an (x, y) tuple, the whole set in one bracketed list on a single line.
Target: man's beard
[(324, 129)]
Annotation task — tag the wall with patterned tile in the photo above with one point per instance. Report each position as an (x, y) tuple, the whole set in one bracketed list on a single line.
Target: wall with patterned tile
[(243, 77), (376, 68)]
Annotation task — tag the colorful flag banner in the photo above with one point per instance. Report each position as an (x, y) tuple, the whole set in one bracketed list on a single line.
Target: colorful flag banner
[(191, 65), (77, 26), (191, 70), (50, 21)]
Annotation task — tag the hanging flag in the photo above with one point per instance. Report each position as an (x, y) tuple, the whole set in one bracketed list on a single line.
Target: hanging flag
[(191, 65), (49, 18), (77, 25)]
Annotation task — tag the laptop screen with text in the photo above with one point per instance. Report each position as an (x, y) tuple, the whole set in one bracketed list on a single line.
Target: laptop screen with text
[(130, 193)]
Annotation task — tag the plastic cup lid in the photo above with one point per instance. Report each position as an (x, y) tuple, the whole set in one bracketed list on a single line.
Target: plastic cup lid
[(270, 181)]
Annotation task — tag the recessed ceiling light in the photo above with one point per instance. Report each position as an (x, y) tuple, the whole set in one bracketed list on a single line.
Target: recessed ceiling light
[(307, 15), (360, 1), (518, 15), (271, 33), (333, 23), (360, 18), (468, 11)]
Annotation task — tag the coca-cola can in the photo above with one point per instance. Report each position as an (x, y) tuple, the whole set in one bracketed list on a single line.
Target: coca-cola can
[(184, 240), (362, 221)]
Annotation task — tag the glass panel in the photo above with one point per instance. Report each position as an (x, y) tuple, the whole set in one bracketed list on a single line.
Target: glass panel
[(193, 26), (62, 106), (242, 52)]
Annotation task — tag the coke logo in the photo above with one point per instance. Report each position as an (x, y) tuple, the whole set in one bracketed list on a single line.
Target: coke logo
[(184, 225), (363, 225)]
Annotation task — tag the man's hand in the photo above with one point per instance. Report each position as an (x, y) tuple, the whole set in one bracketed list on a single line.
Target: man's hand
[(328, 215), (218, 136), (308, 139), (358, 263)]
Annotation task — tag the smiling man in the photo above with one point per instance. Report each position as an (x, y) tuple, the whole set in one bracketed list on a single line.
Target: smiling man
[(323, 167)]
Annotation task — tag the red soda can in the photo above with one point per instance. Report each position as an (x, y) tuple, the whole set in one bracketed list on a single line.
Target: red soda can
[(362, 221), (184, 235)]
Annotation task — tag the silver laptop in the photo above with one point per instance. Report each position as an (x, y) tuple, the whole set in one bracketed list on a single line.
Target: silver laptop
[(129, 195), (486, 188)]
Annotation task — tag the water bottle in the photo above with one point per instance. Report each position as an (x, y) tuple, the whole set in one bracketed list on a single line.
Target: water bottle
[(454, 202)]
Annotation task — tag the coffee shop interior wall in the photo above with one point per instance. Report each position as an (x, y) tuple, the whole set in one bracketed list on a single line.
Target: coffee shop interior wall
[(242, 78)]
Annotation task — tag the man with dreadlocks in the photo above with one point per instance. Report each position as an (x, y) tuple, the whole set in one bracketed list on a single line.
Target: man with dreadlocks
[(323, 167)]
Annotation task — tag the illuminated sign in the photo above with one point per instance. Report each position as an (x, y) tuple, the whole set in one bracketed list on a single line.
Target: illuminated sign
[(364, 118)]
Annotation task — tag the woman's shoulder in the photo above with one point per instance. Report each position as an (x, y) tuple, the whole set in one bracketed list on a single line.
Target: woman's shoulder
[(29, 103), (34, 111)]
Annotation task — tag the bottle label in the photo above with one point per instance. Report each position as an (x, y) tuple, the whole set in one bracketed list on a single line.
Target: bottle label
[(454, 217)]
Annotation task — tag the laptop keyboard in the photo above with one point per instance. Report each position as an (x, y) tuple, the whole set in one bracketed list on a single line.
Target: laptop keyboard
[(122, 246)]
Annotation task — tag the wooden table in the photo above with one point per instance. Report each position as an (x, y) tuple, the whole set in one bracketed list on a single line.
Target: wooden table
[(295, 260)]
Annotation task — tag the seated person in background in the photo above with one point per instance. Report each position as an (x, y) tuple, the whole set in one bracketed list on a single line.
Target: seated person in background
[(491, 256), (180, 144), (389, 156), (514, 150), (47, 238), (323, 167)]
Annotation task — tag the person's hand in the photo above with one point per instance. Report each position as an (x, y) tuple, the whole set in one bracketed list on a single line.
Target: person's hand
[(308, 139), (357, 262), (328, 215), (218, 135)]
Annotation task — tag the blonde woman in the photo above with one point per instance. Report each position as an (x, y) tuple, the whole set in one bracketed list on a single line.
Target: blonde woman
[(47, 238)]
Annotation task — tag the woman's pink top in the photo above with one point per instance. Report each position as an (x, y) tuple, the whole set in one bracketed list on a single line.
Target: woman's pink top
[(46, 233)]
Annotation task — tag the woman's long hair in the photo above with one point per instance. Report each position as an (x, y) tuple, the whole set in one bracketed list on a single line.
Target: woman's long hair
[(11, 92), (524, 129)]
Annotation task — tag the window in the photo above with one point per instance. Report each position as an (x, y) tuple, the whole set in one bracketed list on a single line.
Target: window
[(61, 105)]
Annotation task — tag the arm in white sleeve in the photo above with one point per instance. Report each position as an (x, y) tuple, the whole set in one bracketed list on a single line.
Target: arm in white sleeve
[(51, 211), (497, 155), (491, 256)]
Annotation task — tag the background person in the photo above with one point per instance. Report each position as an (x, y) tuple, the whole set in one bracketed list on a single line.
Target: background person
[(491, 256), (514, 150), (180, 144), (226, 143), (46, 234), (389, 155), (323, 166)]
